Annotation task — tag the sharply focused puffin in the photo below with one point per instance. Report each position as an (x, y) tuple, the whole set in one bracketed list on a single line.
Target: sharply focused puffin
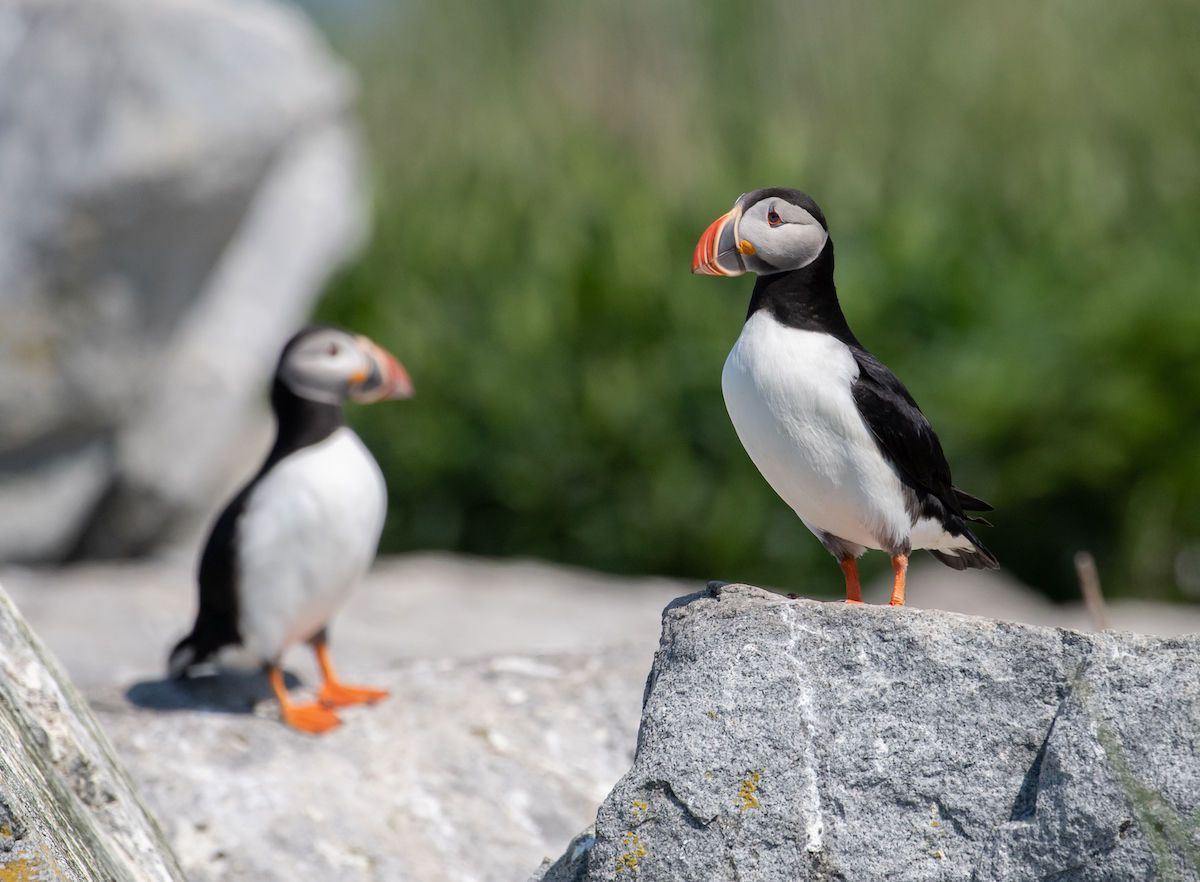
[(285, 553), (832, 430)]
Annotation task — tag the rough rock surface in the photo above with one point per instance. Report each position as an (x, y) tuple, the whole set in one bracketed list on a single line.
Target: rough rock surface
[(67, 810), (177, 180), (793, 740)]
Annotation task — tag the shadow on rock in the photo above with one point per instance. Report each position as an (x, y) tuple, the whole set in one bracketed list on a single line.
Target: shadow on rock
[(229, 692)]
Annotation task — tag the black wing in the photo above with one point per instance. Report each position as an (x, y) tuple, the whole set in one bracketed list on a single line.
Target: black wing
[(907, 439), (217, 619)]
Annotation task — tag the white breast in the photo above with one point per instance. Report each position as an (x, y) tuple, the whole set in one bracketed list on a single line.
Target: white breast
[(306, 538), (788, 392)]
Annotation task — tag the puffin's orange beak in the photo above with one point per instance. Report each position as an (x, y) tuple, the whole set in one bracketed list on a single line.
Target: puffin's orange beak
[(386, 380), (716, 253)]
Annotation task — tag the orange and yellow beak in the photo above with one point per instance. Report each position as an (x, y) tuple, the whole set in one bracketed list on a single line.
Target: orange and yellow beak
[(385, 378), (718, 252)]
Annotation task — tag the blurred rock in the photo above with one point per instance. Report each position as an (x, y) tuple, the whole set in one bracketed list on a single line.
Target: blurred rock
[(177, 180), (468, 771), (505, 728), (792, 740), (111, 623), (67, 810)]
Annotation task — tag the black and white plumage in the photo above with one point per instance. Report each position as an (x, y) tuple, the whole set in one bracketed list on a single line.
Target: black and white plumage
[(832, 430), (287, 550)]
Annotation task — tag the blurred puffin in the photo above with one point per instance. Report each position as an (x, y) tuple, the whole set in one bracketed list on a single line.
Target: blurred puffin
[(833, 431), (286, 552)]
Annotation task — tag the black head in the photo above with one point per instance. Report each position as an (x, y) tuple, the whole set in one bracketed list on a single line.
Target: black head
[(767, 231)]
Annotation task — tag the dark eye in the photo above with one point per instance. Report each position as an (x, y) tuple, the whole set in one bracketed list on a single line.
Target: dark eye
[(333, 349), (773, 217)]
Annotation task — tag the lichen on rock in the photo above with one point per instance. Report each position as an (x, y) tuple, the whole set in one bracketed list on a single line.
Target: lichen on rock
[(793, 740)]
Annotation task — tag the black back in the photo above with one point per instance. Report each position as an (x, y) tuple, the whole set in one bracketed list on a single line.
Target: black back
[(300, 423)]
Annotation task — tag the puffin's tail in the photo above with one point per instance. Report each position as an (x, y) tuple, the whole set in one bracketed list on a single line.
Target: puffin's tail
[(194, 649), (969, 502), (182, 657), (977, 557)]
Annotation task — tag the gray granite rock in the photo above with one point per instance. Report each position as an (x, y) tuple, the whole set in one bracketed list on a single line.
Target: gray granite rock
[(794, 740), (67, 810), (178, 178)]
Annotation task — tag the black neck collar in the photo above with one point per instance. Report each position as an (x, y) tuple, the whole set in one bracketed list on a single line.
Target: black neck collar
[(804, 298), (300, 422)]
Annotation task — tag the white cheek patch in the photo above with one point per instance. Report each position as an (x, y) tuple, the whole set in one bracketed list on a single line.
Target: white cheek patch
[(308, 385), (802, 244), (795, 243), (321, 377)]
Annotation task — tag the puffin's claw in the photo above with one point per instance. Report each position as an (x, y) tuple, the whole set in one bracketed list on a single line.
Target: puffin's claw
[(311, 718), (315, 719), (334, 694)]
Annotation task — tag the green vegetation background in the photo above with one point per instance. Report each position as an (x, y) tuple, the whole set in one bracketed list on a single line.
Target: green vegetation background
[(1014, 190)]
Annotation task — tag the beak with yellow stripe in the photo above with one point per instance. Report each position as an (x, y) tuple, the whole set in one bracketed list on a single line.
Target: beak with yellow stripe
[(383, 379)]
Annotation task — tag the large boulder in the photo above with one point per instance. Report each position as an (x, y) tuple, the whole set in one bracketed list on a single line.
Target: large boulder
[(791, 740), (67, 810), (177, 180)]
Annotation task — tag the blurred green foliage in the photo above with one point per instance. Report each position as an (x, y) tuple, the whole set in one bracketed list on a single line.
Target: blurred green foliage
[(1014, 190)]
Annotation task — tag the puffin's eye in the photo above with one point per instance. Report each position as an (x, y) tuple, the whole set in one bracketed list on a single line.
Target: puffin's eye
[(773, 217), (333, 349)]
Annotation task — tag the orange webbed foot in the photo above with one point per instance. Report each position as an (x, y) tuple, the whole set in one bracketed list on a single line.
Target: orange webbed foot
[(314, 719), (340, 695)]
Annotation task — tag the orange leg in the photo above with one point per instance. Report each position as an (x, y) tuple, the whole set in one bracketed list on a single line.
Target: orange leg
[(900, 568), (311, 718), (334, 693), (853, 588)]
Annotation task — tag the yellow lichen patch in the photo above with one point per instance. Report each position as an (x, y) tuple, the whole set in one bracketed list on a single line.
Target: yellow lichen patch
[(19, 870), (748, 792), (6, 831), (640, 807), (935, 816), (634, 852)]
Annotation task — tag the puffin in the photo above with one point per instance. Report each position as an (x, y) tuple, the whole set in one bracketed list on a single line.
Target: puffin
[(834, 432), (288, 549)]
